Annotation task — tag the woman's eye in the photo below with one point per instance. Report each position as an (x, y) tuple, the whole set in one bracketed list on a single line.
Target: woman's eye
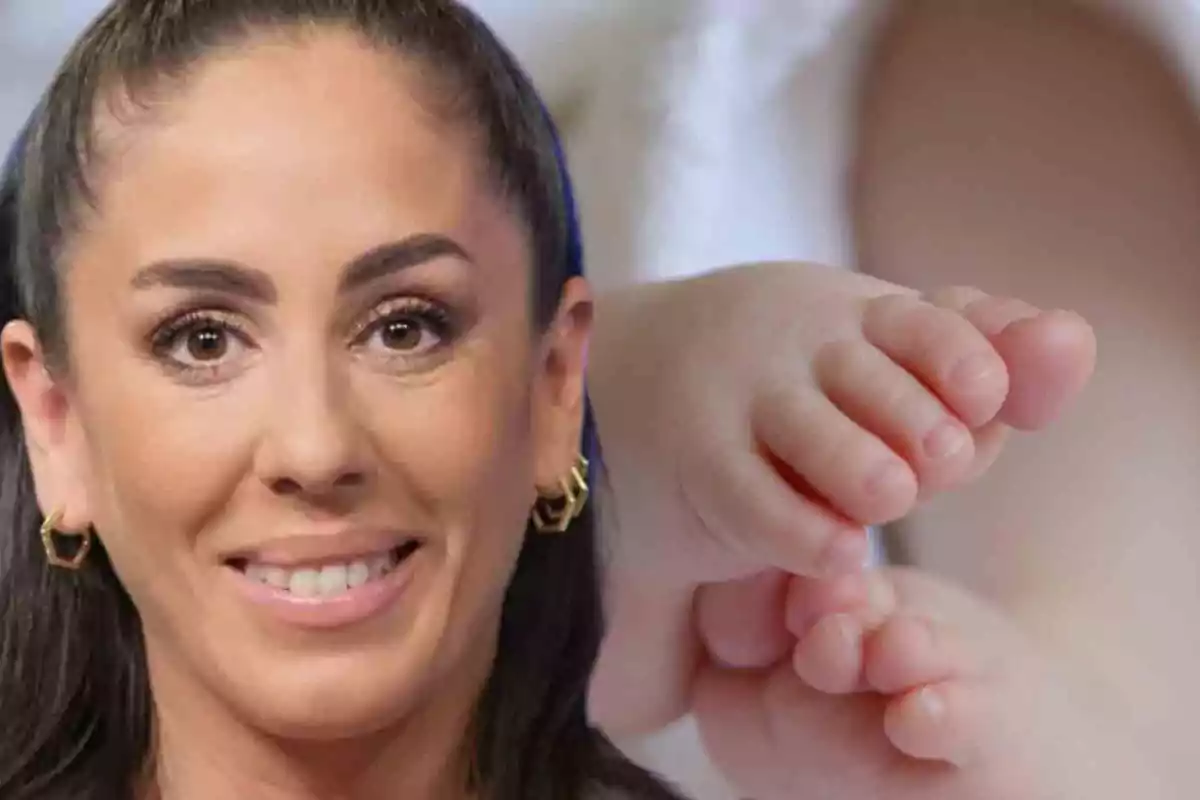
[(207, 344), (403, 334), (415, 330), (199, 341)]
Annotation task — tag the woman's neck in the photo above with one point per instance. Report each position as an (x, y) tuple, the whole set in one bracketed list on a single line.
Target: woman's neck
[(203, 751)]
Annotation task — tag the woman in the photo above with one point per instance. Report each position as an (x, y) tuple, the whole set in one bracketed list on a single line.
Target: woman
[(305, 381)]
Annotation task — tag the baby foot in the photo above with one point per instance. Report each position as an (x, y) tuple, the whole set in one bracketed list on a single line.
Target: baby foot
[(858, 409), (920, 401), (923, 397), (758, 418), (857, 634), (902, 686)]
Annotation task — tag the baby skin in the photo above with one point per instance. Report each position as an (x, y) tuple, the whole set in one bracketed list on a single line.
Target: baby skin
[(894, 683), (902, 686)]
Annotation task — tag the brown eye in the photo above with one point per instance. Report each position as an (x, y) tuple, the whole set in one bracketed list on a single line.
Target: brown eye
[(406, 328), (401, 334), (209, 343)]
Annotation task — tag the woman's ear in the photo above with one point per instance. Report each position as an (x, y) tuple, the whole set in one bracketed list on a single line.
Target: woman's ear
[(46, 419), (559, 394)]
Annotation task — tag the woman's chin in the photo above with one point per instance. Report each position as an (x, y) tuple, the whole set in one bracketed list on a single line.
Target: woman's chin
[(331, 696), (431, 681), (319, 710)]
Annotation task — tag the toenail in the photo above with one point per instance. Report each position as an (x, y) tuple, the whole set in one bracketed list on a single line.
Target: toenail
[(946, 440), (847, 629), (847, 554), (978, 369), (931, 704)]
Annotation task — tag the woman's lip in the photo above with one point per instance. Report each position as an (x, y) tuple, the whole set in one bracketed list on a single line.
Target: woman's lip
[(314, 550), (347, 608)]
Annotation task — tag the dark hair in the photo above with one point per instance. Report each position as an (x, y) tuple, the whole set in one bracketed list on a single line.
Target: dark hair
[(75, 700)]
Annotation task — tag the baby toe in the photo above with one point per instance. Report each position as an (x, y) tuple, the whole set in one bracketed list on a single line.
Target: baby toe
[(944, 722), (944, 351), (888, 401), (908, 651), (829, 658)]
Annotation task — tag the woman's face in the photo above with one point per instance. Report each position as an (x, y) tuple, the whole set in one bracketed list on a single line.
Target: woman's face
[(305, 410)]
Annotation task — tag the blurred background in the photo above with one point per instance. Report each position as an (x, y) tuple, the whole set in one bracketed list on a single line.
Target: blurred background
[(33, 37)]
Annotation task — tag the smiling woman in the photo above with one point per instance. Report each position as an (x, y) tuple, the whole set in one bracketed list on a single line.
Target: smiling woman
[(294, 350)]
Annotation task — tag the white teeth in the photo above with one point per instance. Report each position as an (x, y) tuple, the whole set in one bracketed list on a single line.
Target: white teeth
[(357, 574), (303, 583), (328, 581), (332, 581), (378, 566), (277, 577)]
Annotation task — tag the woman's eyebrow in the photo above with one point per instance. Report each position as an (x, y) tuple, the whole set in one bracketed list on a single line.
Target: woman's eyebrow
[(230, 277), (396, 256), (214, 275)]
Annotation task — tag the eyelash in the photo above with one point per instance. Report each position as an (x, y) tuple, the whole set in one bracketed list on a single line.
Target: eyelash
[(434, 317), (167, 336), (431, 316)]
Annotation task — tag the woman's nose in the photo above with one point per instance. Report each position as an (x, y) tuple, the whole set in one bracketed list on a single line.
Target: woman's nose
[(313, 444)]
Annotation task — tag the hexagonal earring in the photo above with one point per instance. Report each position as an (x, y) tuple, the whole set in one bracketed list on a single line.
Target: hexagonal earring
[(554, 512), (50, 533)]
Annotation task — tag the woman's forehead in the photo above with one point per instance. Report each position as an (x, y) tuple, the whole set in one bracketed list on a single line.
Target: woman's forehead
[(329, 91), (285, 140)]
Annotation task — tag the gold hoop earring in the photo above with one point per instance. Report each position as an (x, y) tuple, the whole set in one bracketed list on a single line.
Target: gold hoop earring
[(49, 531), (554, 513)]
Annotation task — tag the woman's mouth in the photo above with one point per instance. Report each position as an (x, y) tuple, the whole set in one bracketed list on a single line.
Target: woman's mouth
[(330, 592), (330, 579)]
